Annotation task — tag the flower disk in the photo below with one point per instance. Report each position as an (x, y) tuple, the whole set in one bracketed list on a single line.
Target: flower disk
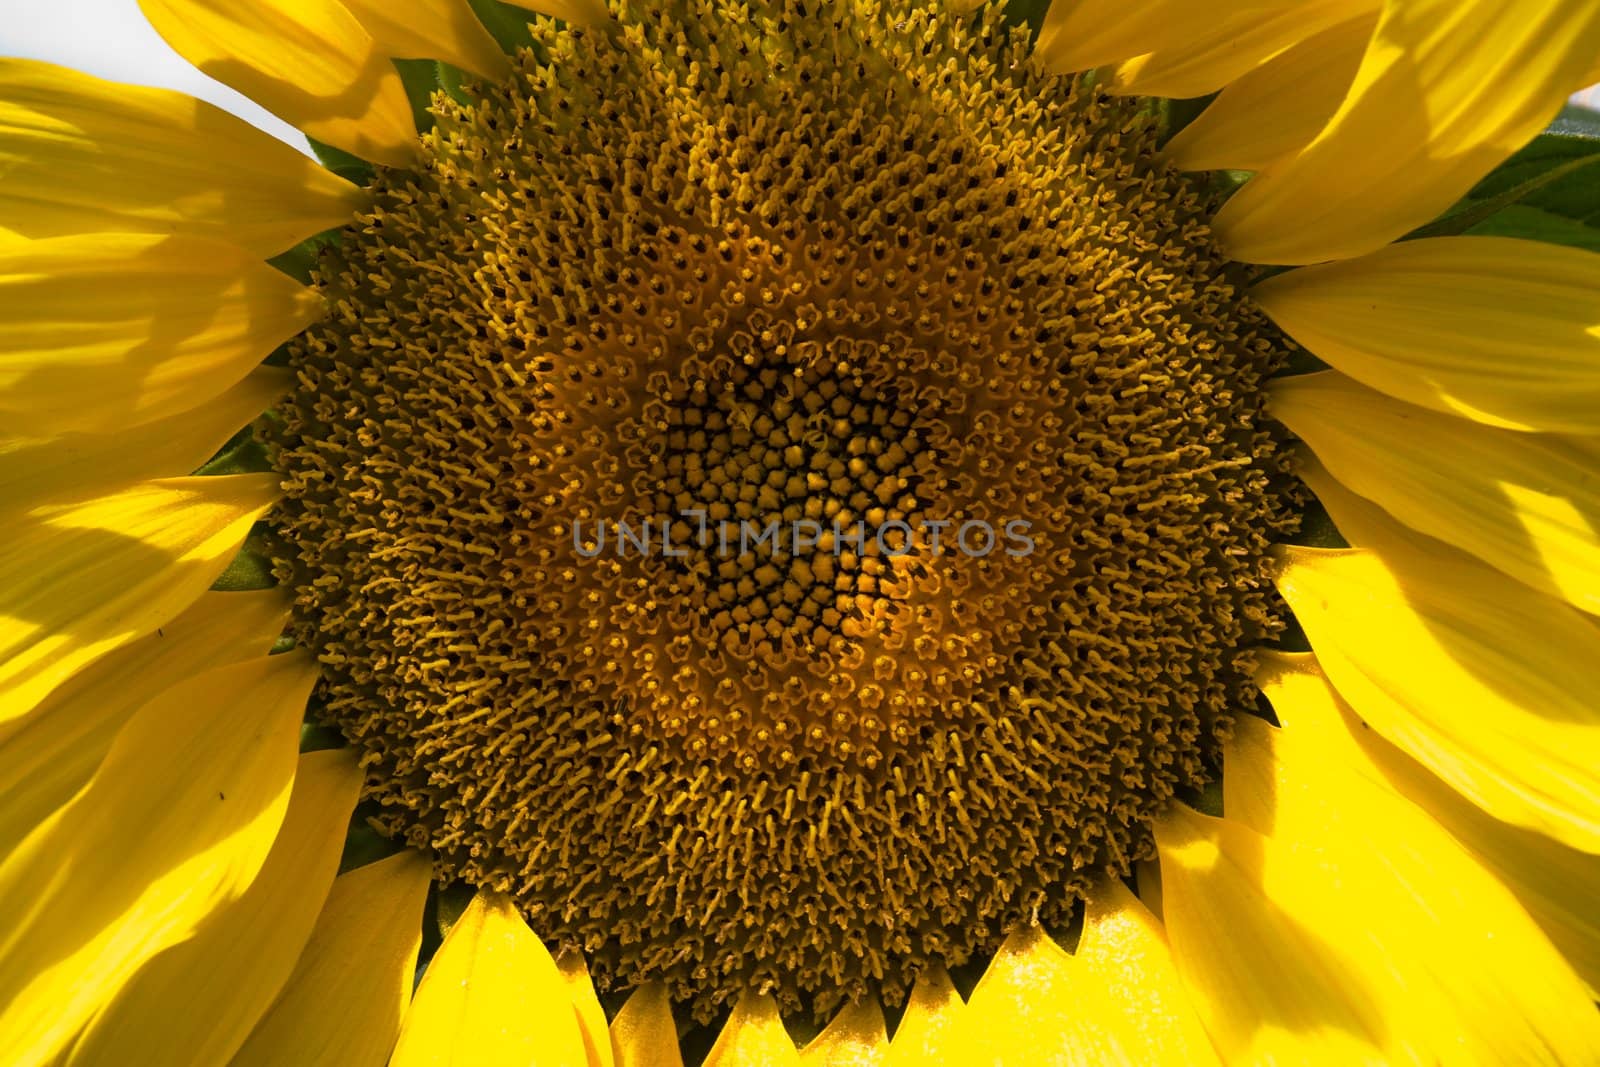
[(727, 272)]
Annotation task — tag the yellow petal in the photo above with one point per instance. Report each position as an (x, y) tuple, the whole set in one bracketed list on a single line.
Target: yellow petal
[(1234, 42), (1487, 683), (104, 331), (856, 1037), (1264, 973), (341, 1006), (52, 752), (1079, 34), (1524, 503), (643, 1033), (1036, 1004), (76, 465), (173, 826), (932, 1031), (584, 12), (1482, 680), (1446, 90), (81, 155), (1502, 331), (491, 997), (194, 1004), (1279, 107), (1481, 982), (1343, 950), (1124, 953), (81, 580), (591, 1017), (307, 61), (1029, 1007), (432, 29), (1556, 884), (753, 1036)]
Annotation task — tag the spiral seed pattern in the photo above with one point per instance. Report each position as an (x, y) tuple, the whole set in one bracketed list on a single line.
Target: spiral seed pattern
[(773, 262)]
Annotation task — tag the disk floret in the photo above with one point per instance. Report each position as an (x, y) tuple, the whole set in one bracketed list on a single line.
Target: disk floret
[(841, 268)]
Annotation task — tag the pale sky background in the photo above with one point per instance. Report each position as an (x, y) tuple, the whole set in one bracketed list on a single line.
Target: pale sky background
[(110, 38)]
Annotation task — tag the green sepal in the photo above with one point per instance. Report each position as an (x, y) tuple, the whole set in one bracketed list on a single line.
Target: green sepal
[(251, 569), (694, 1045), (1552, 175), (803, 1028), (454, 81), (364, 845), (453, 901), (1224, 183), (1030, 13), (315, 737), (1176, 114), (243, 454), (432, 940), (1317, 529), (351, 168), (506, 23), (299, 261), (248, 571), (1302, 361), (421, 79), (1293, 638)]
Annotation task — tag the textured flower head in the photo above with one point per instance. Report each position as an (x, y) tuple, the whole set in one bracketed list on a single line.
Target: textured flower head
[(807, 532)]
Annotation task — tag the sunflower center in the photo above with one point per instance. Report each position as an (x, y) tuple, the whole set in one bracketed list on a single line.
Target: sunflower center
[(784, 493), (786, 479)]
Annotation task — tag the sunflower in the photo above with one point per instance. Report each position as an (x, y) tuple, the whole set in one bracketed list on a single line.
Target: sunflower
[(722, 530)]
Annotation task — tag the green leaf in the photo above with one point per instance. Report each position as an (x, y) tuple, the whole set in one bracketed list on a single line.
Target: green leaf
[(1532, 224), (1574, 135), (1553, 174), (1473, 212)]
